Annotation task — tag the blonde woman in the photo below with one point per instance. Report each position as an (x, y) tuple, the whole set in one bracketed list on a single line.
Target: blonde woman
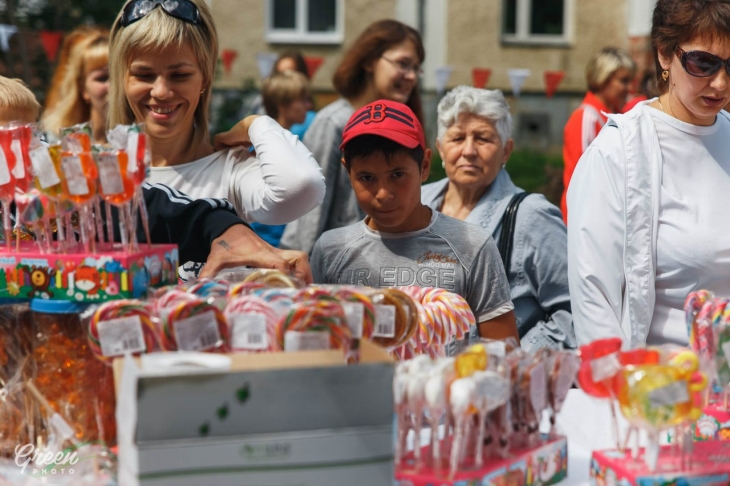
[(80, 89), (162, 59)]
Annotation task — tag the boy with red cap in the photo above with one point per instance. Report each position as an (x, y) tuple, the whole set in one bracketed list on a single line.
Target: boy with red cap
[(404, 242)]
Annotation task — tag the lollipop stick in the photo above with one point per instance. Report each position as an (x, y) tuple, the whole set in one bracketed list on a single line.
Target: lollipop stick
[(109, 224), (99, 222), (457, 445), (17, 229), (400, 446), (123, 226), (435, 442), (60, 231), (418, 418), (479, 456), (139, 198), (84, 227), (614, 425), (6, 225), (131, 225)]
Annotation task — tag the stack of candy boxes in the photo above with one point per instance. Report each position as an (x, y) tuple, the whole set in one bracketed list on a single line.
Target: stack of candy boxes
[(57, 191), (481, 411)]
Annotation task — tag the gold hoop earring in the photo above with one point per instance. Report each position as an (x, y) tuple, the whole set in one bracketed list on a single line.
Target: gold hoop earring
[(665, 75)]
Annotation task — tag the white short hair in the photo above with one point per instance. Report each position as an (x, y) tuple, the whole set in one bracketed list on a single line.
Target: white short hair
[(487, 103)]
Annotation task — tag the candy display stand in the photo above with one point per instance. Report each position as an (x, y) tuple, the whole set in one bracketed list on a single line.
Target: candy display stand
[(543, 465), (709, 465), (80, 277)]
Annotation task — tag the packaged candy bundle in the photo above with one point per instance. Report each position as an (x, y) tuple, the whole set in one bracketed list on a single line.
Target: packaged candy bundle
[(470, 399)]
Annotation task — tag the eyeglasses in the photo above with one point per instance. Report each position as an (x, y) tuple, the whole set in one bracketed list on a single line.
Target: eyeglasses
[(701, 64), (180, 9), (405, 67)]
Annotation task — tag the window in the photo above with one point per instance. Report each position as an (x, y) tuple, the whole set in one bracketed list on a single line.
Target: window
[(305, 21), (536, 21)]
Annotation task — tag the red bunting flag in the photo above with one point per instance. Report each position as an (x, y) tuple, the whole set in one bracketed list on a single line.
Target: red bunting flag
[(313, 63), (228, 56), (480, 77), (552, 80), (51, 41)]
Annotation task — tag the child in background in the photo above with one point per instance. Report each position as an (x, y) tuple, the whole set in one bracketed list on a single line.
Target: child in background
[(286, 97), (17, 102), (402, 241)]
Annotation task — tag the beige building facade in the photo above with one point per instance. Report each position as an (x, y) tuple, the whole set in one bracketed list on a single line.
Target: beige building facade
[(539, 35)]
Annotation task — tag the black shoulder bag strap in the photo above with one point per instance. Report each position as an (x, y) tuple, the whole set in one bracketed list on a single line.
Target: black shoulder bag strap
[(507, 237)]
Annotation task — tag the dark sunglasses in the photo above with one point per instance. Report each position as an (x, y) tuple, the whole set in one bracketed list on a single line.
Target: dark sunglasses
[(180, 9), (701, 64)]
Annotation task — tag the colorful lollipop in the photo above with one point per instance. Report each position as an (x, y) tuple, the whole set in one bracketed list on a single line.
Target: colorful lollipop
[(120, 327)]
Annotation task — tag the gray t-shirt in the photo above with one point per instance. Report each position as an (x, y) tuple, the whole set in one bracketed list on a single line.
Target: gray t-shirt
[(448, 254)]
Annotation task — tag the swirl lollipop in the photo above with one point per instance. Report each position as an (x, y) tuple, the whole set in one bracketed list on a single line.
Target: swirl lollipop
[(355, 296), (317, 316), (244, 288), (130, 326), (273, 278), (194, 325), (253, 324)]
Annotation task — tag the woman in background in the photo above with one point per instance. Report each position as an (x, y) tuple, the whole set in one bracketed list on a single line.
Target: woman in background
[(609, 74), (80, 87), (383, 63)]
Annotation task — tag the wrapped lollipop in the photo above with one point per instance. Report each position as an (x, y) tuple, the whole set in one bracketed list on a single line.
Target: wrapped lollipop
[(395, 317), (400, 395), (244, 288), (492, 390), (692, 306), (461, 398), (116, 188), (418, 377), (213, 291), (722, 355), (194, 325), (562, 375), (359, 309), (120, 327), (656, 397), (314, 325), (252, 324), (436, 391)]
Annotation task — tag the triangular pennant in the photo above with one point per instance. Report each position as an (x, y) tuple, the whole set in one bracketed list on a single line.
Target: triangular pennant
[(313, 63), (443, 73), (6, 32), (552, 80), (228, 56), (265, 62), (517, 78), (480, 77), (51, 41)]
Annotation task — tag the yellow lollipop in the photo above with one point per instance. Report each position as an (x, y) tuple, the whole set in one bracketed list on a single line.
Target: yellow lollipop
[(474, 359)]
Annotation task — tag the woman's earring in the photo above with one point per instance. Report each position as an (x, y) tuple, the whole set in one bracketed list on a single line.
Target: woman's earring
[(665, 75), (443, 164), (202, 91)]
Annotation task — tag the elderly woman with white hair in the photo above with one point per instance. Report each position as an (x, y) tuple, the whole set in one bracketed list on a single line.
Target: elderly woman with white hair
[(474, 141)]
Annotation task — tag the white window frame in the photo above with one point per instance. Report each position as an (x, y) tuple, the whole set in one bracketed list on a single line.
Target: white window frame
[(523, 35), (299, 34)]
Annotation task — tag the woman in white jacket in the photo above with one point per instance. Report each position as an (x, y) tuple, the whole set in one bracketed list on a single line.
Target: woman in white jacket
[(162, 64), (648, 200)]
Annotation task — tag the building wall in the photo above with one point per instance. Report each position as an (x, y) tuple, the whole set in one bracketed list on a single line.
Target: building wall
[(242, 26), (474, 28)]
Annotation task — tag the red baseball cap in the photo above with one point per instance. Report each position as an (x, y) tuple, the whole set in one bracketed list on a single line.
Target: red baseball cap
[(387, 119)]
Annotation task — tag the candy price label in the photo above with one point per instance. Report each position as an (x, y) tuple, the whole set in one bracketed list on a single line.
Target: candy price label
[(306, 341), (75, 178), (605, 367), (109, 175), (4, 169), (43, 167), (197, 333), (538, 387), (384, 321), (354, 314), (132, 144), (671, 394), (19, 169), (248, 331), (120, 336), (496, 349)]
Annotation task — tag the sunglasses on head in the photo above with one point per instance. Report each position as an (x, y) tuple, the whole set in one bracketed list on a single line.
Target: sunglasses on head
[(701, 64), (180, 9)]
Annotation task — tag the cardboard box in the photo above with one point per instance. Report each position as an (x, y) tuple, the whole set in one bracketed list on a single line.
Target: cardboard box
[(710, 466), (79, 277), (543, 465), (274, 419)]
